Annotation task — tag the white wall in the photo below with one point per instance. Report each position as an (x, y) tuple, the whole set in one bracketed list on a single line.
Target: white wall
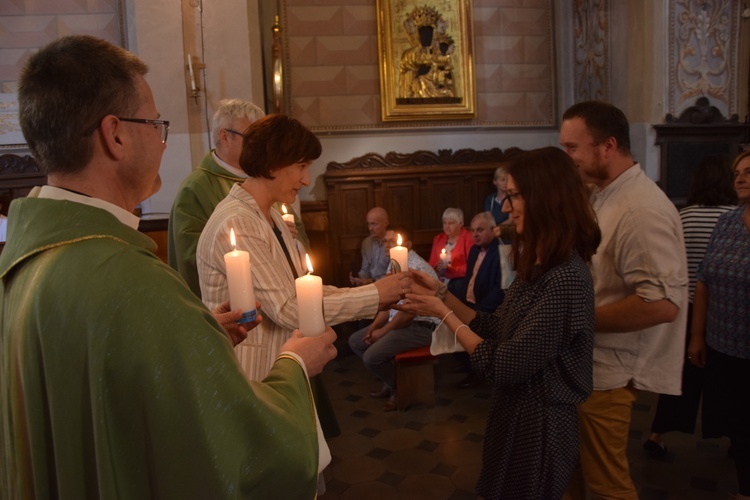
[(231, 53)]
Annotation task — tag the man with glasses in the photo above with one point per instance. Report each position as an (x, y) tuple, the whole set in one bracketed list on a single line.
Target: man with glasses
[(640, 285), (210, 183), (117, 382)]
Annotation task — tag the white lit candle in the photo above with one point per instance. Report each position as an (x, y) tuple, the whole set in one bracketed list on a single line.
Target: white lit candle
[(240, 281), (400, 255), (286, 216), (310, 303), (444, 256), (192, 75)]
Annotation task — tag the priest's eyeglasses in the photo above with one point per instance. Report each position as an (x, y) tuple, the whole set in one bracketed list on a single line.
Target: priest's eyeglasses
[(234, 132), (164, 124)]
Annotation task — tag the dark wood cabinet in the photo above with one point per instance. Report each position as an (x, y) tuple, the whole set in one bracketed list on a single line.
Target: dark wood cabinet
[(699, 131)]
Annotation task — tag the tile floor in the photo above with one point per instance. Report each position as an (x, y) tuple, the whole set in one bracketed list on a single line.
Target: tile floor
[(435, 453)]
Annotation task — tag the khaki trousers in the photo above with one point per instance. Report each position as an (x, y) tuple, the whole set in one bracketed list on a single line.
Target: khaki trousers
[(603, 464)]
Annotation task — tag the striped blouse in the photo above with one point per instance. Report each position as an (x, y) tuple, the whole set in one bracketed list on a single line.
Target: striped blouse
[(698, 223), (273, 280)]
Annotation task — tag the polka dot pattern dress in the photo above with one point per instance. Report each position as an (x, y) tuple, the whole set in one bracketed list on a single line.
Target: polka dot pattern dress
[(537, 356)]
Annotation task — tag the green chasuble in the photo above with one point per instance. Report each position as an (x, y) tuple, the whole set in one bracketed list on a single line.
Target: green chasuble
[(118, 383), (196, 199)]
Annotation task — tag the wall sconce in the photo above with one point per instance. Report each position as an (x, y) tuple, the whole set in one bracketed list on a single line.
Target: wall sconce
[(193, 65), (278, 68)]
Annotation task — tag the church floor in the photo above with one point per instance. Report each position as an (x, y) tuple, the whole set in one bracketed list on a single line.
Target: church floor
[(435, 453)]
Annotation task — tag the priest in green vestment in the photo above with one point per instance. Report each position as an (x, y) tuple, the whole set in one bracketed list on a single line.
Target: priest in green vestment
[(116, 381), (210, 183)]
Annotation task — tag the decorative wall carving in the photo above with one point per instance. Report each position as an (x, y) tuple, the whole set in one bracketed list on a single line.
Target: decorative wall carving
[(591, 39), (703, 59)]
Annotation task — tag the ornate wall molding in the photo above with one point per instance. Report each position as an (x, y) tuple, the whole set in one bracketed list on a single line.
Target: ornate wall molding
[(703, 59), (419, 158), (591, 43)]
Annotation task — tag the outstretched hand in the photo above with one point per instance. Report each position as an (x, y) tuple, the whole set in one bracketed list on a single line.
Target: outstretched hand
[(423, 299), (228, 320), (393, 288), (316, 352), (423, 283), (423, 305)]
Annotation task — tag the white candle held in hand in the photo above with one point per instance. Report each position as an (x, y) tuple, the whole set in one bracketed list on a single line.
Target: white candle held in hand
[(310, 303), (286, 216), (444, 256), (400, 255), (240, 281)]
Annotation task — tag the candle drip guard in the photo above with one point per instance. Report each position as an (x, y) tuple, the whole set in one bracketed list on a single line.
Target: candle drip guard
[(248, 317)]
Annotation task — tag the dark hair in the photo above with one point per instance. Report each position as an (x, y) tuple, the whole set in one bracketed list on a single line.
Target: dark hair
[(402, 230), (274, 142), (558, 217), (65, 91), (603, 121), (712, 183)]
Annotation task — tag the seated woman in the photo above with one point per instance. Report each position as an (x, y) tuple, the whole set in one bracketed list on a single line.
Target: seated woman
[(277, 152), (536, 350), (456, 240)]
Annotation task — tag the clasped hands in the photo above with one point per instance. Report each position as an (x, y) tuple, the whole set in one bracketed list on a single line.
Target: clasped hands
[(422, 299)]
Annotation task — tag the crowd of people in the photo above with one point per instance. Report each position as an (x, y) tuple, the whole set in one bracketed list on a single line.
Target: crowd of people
[(125, 377)]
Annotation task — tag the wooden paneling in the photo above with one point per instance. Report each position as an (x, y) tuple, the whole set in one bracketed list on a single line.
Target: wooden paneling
[(19, 174), (699, 131), (414, 189)]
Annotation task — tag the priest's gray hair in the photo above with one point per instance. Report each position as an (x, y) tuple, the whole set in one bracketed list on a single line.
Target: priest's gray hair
[(230, 110)]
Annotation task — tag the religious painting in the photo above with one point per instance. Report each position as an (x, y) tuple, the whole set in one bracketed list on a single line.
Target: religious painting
[(426, 60)]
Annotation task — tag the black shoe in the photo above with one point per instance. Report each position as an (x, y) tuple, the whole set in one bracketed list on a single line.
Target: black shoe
[(471, 380), (654, 449)]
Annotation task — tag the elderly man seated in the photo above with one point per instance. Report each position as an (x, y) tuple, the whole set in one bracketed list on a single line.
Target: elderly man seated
[(393, 332), (375, 259), (481, 288)]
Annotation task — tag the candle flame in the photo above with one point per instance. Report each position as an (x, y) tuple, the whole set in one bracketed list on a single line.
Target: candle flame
[(443, 250), (309, 264), (398, 240), (232, 239), (283, 209)]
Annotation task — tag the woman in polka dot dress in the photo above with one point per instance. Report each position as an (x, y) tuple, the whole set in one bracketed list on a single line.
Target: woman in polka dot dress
[(536, 350)]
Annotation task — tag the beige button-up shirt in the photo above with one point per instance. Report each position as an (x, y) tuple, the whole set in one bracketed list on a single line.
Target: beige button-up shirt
[(642, 252)]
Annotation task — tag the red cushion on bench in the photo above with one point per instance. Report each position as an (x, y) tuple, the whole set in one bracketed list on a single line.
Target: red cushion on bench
[(418, 354)]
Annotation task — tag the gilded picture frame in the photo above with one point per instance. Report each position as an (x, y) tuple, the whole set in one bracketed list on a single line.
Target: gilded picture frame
[(426, 59)]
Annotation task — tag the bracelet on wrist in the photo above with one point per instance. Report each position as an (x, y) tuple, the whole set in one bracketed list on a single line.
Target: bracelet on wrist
[(459, 327)]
